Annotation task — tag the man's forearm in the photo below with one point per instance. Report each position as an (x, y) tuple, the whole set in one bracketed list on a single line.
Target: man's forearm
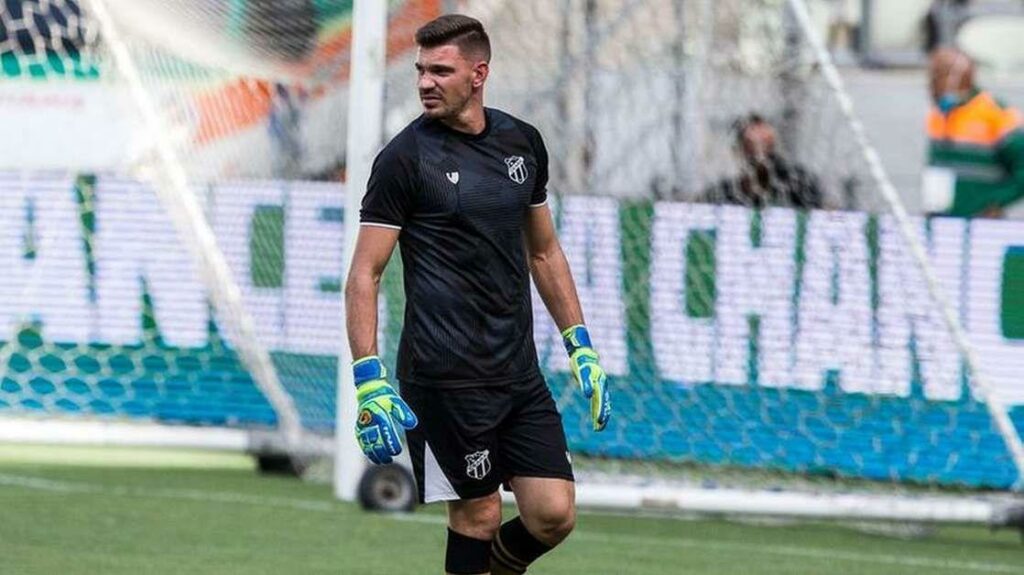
[(361, 314), (558, 290), (554, 282)]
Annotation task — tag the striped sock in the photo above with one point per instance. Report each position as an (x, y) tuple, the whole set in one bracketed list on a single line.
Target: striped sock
[(514, 549)]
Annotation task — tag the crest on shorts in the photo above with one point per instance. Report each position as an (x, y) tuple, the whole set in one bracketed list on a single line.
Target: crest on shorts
[(516, 168), (453, 177), (478, 464)]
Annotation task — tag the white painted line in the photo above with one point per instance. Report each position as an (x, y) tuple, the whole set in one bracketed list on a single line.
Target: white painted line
[(43, 484)]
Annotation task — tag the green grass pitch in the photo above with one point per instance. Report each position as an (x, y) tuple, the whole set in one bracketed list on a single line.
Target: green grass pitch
[(119, 511)]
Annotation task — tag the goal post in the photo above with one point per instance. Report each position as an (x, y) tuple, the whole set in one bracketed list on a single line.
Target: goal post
[(366, 124)]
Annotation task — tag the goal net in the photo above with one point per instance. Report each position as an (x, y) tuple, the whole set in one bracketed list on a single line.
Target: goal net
[(174, 219), (174, 225), (765, 321)]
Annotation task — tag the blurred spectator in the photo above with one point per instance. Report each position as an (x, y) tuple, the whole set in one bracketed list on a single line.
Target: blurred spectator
[(843, 27), (284, 127), (766, 178), (940, 22), (976, 144)]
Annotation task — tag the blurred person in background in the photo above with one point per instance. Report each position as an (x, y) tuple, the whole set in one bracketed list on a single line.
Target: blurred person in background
[(766, 178), (975, 144), (844, 18), (940, 22)]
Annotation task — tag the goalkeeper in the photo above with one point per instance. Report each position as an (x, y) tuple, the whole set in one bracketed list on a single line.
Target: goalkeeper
[(462, 191)]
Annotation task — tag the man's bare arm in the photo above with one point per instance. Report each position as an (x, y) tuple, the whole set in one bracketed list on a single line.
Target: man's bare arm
[(374, 246), (553, 277), (550, 269)]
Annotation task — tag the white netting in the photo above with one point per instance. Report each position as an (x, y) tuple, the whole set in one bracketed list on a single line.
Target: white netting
[(737, 338), (137, 298), (774, 338)]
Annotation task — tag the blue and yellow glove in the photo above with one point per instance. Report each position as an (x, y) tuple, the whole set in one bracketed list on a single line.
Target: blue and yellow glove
[(381, 411), (588, 373)]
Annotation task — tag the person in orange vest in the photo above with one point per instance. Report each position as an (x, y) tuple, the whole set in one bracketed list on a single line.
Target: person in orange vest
[(976, 144)]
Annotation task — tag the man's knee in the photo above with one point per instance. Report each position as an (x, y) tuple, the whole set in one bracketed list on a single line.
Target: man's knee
[(553, 522), (478, 518)]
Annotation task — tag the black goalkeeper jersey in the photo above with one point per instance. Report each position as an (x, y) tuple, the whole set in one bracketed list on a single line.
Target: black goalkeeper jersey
[(461, 202)]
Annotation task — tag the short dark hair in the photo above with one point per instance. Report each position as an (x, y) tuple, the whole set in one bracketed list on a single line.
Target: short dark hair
[(465, 32)]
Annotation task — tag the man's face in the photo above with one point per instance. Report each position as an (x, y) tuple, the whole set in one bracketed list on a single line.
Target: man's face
[(949, 73), (447, 80), (758, 142), (941, 81)]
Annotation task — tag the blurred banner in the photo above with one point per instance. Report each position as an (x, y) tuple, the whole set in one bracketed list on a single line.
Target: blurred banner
[(733, 336)]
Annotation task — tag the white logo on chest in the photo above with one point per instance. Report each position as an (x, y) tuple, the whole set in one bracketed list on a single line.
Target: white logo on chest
[(453, 177), (516, 168), (478, 464)]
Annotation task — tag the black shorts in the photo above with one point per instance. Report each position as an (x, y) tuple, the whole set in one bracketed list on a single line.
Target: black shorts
[(470, 441)]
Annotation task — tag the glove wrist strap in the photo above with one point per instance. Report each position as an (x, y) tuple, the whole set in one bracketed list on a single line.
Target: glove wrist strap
[(368, 368), (576, 337)]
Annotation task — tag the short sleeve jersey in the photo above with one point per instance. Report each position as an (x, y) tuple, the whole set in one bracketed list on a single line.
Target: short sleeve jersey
[(461, 202)]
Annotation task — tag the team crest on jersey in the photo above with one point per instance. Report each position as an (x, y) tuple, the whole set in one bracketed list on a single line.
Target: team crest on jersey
[(478, 464), (516, 168), (453, 177)]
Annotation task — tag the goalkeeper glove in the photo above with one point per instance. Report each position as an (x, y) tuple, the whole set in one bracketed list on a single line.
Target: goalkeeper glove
[(588, 373), (381, 411)]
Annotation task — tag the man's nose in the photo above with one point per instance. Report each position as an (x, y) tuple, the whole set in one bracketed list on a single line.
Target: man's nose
[(426, 83)]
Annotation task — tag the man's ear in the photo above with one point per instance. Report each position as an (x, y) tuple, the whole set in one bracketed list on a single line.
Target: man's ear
[(480, 72)]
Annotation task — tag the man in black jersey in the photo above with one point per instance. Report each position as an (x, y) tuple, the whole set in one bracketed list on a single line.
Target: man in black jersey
[(462, 190)]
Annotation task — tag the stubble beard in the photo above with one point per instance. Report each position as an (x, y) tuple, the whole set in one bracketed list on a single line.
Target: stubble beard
[(446, 111)]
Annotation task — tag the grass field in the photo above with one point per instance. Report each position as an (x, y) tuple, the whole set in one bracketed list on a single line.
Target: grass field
[(128, 511)]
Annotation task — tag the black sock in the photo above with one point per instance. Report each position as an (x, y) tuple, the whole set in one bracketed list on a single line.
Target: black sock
[(514, 548), (466, 555)]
